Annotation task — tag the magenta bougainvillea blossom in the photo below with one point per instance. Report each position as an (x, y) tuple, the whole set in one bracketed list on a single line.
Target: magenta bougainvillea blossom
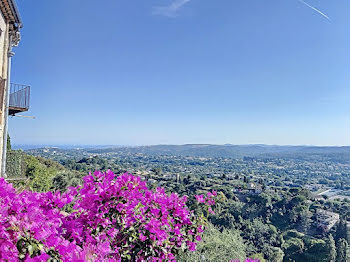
[(247, 260), (108, 218)]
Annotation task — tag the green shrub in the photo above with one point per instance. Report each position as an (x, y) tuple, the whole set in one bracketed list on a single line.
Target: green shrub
[(40, 176), (217, 246), (15, 164)]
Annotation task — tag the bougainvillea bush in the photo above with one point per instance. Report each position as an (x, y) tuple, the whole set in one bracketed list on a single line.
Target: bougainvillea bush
[(108, 218)]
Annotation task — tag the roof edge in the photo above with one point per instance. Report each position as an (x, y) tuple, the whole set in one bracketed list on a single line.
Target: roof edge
[(15, 12)]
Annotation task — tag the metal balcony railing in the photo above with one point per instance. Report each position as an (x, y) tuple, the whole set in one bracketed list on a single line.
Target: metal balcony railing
[(19, 98)]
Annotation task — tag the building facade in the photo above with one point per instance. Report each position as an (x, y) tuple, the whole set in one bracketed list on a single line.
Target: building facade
[(326, 219), (10, 25)]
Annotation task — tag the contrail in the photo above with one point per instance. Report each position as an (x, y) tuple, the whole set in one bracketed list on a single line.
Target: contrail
[(170, 10), (315, 9)]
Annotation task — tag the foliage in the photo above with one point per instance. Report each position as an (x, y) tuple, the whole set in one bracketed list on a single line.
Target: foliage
[(315, 251), (300, 247), (260, 236), (40, 176), (65, 179), (38, 173), (114, 218), (342, 230), (293, 247), (278, 219), (15, 164), (259, 257), (332, 249), (217, 245), (277, 255), (342, 250), (50, 163), (8, 145)]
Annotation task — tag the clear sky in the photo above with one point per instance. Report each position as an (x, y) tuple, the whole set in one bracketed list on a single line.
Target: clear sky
[(132, 72)]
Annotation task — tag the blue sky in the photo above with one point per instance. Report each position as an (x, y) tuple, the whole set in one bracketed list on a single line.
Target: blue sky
[(175, 71)]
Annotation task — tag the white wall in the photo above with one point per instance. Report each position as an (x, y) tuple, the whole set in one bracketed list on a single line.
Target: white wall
[(3, 47), (4, 42)]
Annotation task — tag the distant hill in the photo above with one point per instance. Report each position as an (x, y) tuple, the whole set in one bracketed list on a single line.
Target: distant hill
[(238, 151)]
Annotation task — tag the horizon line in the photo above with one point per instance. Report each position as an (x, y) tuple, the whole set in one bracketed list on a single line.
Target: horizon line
[(183, 144)]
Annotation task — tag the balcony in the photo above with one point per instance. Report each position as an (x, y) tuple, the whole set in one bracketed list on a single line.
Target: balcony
[(19, 98)]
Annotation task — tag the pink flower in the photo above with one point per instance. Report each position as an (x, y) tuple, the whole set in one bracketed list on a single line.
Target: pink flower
[(200, 199), (192, 246), (198, 238), (113, 215), (200, 229)]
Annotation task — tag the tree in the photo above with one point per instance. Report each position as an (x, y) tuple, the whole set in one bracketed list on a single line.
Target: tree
[(341, 231), (259, 236), (157, 171), (40, 176), (332, 251), (277, 255), (304, 221), (65, 179), (342, 250), (9, 147), (293, 247), (316, 251), (217, 246), (259, 257)]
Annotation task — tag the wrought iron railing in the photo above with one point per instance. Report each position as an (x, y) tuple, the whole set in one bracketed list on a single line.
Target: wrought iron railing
[(19, 96)]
